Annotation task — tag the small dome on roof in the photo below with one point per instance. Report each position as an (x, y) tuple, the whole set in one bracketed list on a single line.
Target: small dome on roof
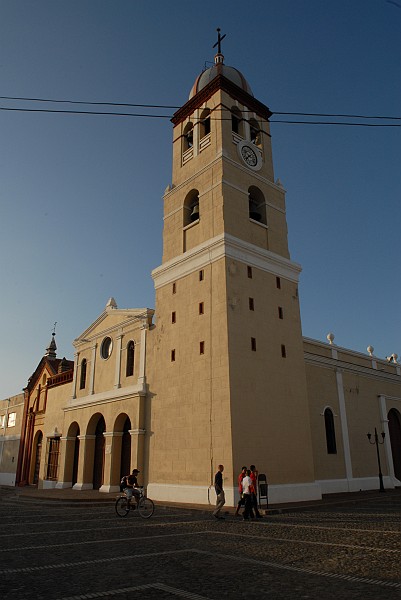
[(219, 68)]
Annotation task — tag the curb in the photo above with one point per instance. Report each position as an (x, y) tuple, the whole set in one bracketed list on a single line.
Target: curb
[(94, 498)]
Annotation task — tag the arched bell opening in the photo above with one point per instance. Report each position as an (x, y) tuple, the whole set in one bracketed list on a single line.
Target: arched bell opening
[(204, 123), (257, 205), (188, 137), (237, 123), (191, 208), (255, 132)]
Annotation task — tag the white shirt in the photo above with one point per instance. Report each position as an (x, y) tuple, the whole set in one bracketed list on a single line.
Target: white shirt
[(246, 482)]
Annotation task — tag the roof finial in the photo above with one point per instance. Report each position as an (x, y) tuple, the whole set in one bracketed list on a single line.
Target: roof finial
[(51, 349), (219, 58)]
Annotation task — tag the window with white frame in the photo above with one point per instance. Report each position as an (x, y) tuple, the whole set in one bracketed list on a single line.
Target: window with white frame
[(2, 420), (12, 417)]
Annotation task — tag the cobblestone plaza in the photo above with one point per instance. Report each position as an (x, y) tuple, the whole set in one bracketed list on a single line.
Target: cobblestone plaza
[(65, 550)]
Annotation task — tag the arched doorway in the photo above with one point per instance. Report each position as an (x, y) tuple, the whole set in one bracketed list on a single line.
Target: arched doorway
[(72, 454), (126, 449), (38, 452), (98, 463), (75, 459), (394, 426)]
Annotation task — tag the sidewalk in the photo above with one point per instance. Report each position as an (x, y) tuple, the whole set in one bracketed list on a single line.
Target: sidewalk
[(93, 496)]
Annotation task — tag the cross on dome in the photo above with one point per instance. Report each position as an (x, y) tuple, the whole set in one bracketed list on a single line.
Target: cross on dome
[(219, 58)]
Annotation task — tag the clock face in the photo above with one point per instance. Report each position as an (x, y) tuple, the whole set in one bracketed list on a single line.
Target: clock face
[(250, 155)]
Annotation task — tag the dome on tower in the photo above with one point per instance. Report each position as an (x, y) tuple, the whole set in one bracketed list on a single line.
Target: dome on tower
[(220, 68)]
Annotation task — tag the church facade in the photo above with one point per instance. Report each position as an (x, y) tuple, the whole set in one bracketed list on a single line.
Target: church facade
[(219, 373)]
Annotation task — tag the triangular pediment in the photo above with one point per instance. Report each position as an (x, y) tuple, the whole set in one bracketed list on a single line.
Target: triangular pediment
[(112, 319), (45, 367)]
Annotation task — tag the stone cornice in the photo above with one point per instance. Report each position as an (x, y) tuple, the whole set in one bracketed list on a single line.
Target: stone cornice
[(225, 246), (113, 395), (221, 83)]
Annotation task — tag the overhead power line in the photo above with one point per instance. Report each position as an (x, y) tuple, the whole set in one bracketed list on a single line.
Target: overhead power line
[(88, 103), (85, 112), (300, 114), (170, 107), (337, 123)]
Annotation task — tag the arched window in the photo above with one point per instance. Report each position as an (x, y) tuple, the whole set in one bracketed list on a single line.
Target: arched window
[(188, 137), (256, 137), (191, 207), (82, 381), (257, 205), (394, 426), (129, 371), (237, 124), (330, 431), (204, 123)]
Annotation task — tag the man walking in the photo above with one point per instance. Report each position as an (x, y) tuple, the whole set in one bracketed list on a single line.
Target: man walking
[(247, 487), (220, 497)]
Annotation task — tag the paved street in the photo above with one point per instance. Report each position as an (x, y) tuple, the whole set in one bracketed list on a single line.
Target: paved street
[(62, 551)]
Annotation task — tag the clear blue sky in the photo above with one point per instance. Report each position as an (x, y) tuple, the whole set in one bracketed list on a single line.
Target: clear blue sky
[(81, 196)]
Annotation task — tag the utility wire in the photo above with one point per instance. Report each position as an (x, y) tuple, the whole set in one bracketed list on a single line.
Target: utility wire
[(167, 106), (156, 116), (338, 123), (88, 103), (84, 112), (299, 114)]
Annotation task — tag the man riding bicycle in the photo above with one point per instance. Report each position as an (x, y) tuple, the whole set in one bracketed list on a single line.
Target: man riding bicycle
[(131, 488)]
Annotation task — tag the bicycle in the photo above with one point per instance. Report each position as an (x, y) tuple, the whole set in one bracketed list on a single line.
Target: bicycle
[(144, 506)]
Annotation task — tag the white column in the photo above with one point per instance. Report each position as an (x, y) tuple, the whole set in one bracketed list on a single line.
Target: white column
[(344, 425), (92, 375), (247, 129), (75, 375), (195, 122), (117, 377), (142, 355), (137, 451)]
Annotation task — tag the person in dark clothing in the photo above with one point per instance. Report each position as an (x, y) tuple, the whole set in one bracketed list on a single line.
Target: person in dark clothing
[(131, 488), (220, 497)]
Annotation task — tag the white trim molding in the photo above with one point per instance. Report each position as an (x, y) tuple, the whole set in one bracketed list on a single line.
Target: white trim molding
[(344, 424), (187, 494), (357, 484), (225, 246)]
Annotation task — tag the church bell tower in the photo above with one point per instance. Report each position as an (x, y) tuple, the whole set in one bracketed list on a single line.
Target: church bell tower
[(227, 368)]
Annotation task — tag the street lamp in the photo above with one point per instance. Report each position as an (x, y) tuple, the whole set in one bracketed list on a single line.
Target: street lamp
[(376, 443)]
